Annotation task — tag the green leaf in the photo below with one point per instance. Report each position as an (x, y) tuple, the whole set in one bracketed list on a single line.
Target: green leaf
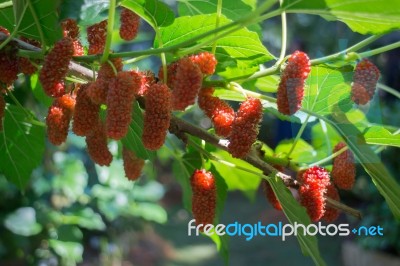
[(222, 243), (69, 251), (23, 222), (296, 213), (92, 12), (38, 91), (303, 153), (379, 135), (85, 218), (22, 146), (324, 137), (268, 83), (154, 12), (365, 17)]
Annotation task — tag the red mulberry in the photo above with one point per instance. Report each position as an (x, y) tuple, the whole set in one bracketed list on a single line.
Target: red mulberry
[(97, 34), (291, 87), (344, 169), (365, 78), (270, 195), (120, 98), (157, 116), (245, 127), (206, 62), (331, 214), (70, 28), (171, 73), (86, 113), (24, 64), (220, 113), (4, 30), (148, 79), (132, 164), (96, 143), (58, 118), (2, 111), (55, 68), (204, 198), (312, 191), (129, 24), (186, 85), (8, 65)]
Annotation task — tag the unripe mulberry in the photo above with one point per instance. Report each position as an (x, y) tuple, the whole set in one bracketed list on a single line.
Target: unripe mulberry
[(291, 87), (219, 111), (204, 198), (187, 84), (86, 113), (344, 169), (97, 35), (120, 98), (133, 165), (331, 214), (2, 111), (171, 74), (206, 62), (245, 127), (24, 64), (157, 116), (270, 195), (365, 78), (58, 118), (129, 24), (96, 143), (312, 190), (8, 65), (55, 68)]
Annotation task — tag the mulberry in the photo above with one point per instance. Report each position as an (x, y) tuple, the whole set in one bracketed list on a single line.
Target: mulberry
[(365, 78), (55, 68), (171, 73), (331, 214), (8, 65), (86, 113), (314, 182), (157, 116), (97, 35), (204, 198), (70, 28), (291, 86), (96, 143), (220, 113), (344, 169), (2, 111), (132, 164), (24, 64), (270, 195), (245, 127), (129, 24), (4, 30), (206, 62), (120, 98), (148, 79), (186, 85)]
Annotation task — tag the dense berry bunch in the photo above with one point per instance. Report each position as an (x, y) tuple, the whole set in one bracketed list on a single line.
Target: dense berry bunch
[(204, 198), (270, 195), (157, 116), (365, 78), (171, 74), (2, 110), (86, 113), (129, 24), (314, 182), (120, 98), (206, 62), (97, 34), (344, 169), (58, 118), (331, 214), (24, 64), (55, 67), (8, 65), (291, 86), (96, 143), (219, 111), (133, 165), (245, 127)]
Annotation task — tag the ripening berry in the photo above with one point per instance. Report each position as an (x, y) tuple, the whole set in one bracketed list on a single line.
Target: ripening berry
[(70, 28), (365, 78), (171, 73), (86, 113), (219, 111), (129, 24), (344, 169), (245, 127), (96, 143), (133, 165), (106, 71), (204, 197), (120, 99), (58, 118), (148, 79), (24, 64), (8, 65), (270, 195), (312, 190), (331, 214), (157, 116), (186, 85), (206, 62), (97, 34), (291, 87), (4, 30), (55, 68), (2, 111)]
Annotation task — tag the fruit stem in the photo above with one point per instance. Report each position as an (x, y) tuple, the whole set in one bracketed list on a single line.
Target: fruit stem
[(110, 28), (284, 36), (217, 20)]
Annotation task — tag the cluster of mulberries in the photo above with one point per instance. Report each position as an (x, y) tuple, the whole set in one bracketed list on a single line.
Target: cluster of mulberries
[(97, 35), (331, 214), (70, 29), (132, 164), (24, 64), (96, 142), (55, 68), (344, 169), (204, 198), (86, 113), (291, 87), (245, 127), (365, 78), (129, 24), (2, 110), (219, 111), (206, 62), (171, 74)]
